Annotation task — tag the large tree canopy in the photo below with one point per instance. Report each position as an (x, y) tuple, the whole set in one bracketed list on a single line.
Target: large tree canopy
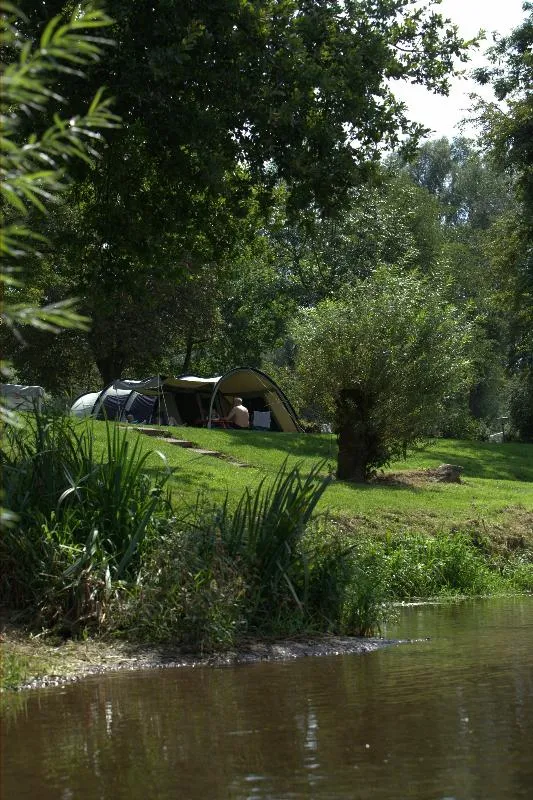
[(508, 130), (298, 90), (221, 102)]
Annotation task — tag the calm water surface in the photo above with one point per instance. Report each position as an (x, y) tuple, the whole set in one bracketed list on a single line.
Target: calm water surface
[(447, 718)]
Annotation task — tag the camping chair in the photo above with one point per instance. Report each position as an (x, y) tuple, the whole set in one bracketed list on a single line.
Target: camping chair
[(261, 421)]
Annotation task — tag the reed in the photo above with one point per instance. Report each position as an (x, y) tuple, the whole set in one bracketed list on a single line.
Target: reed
[(262, 569), (265, 533)]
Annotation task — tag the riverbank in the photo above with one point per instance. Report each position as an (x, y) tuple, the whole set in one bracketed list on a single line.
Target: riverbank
[(141, 549), (34, 662)]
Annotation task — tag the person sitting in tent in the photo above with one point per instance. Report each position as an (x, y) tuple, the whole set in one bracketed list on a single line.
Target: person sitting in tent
[(239, 416)]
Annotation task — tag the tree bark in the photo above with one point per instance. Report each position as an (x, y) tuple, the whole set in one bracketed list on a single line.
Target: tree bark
[(355, 436), (188, 353), (110, 367)]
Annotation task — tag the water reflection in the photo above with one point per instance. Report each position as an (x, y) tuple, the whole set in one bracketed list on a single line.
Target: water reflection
[(447, 718)]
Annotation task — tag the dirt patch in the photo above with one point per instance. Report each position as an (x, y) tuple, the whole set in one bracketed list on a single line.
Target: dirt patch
[(446, 473)]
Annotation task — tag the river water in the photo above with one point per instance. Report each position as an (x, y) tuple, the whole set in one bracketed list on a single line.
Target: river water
[(446, 718)]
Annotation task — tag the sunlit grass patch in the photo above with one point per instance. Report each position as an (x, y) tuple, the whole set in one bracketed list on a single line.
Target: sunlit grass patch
[(496, 478), (19, 668)]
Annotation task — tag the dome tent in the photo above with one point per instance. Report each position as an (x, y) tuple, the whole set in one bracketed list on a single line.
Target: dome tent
[(191, 400)]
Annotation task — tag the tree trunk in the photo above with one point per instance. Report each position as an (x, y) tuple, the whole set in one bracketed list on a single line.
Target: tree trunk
[(110, 367), (355, 436), (188, 353)]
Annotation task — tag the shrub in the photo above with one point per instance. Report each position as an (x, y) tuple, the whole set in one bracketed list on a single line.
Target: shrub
[(82, 519)]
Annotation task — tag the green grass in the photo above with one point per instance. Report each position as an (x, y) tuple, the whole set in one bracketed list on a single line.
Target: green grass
[(19, 668), (497, 486)]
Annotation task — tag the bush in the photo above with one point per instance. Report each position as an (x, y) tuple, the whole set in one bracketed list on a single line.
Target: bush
[(81, 519)]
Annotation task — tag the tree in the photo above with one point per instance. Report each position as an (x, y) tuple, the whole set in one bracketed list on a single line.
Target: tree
[(471, 191), (221, 104), (32, 170), (476, 202), (521, 404), (381, 363), (507, 132), (389, 221)]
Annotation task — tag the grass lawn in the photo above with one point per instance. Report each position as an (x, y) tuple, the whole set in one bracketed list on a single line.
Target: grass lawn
[(496, 490)]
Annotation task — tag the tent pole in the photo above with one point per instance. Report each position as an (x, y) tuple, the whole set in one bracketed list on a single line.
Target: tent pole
[(162, 394), (211, 407)]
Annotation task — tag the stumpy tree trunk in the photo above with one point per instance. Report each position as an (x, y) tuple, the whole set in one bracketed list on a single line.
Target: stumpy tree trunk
[(355, 436)]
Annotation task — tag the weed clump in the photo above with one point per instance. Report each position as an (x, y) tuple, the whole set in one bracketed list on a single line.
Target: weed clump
[(414, 566), (259, 570)]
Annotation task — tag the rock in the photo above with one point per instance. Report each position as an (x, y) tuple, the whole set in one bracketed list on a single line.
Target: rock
[(448, 473)]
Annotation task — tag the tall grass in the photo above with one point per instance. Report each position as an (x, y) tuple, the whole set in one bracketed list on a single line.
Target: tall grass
[(414, 566), (81, 519), (265, 533), (259, 570)]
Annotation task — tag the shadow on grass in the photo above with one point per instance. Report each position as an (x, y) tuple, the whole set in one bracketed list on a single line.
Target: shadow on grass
[(508, 461), (300, 445), (403, 486)]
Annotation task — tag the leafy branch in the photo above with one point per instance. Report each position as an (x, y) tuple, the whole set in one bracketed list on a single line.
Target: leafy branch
[(33, 168)]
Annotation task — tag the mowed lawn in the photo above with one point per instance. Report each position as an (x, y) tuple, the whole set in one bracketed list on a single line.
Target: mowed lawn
[(496, 489)]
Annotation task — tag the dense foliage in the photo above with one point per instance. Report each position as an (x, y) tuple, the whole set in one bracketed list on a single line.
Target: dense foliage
[(381, 362), (507, 134), (222, 105), (33, 156)]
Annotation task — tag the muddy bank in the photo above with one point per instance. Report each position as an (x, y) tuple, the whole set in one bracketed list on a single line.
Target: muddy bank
[(71, 661)]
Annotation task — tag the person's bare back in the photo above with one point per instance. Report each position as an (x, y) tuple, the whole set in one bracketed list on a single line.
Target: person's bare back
[(239, 416)]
